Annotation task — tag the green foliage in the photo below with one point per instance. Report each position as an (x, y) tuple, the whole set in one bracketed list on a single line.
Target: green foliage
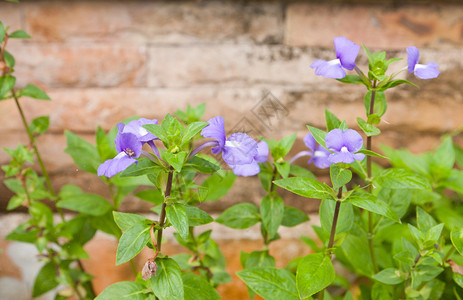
[(168, 283), (314, 273), (240, 216)]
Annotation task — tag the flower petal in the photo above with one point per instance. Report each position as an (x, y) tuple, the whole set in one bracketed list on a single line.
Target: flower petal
[(310, 142), (239, 149), (341, 157), (262, 152), (320, 158), (118, 165), (329, 69), (412, 58), (346, 52), (427, 71), (103, 167), (247, 169), (215, 130), (126, 141), (359, 156), (136, 127), (352, 140), (334, 140)]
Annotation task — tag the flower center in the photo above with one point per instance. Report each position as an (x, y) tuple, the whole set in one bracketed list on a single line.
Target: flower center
[(319, 154), (344, 149), (233, 144), (334, 62), (129, 152), (419, 66)]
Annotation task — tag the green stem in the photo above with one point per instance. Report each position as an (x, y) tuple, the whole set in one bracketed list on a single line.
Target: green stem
[(162, 217), (335, 221), (370, 188), (34, 146)]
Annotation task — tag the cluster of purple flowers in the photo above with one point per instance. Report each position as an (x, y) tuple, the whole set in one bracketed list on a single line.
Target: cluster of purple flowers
[(347, 51), (241, 152)]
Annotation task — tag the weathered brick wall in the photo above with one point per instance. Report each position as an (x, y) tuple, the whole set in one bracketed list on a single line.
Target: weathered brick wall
[(103, 61)]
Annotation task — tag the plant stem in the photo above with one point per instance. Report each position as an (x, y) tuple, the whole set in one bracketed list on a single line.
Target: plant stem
[(335, 221), (162, 217), (370, 188), (34, 146)]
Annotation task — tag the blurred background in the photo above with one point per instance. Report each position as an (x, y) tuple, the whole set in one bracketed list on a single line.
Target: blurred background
[(104, 61)]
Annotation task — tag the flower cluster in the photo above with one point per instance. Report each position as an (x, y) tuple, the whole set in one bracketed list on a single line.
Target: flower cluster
[(346, 54)]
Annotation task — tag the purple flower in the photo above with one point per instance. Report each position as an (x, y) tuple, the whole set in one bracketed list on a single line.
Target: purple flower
[(344, 145), (253, 168), (346, 53), (427, 71), (136, 127), (241, 152), (318, 154), (129, 147)]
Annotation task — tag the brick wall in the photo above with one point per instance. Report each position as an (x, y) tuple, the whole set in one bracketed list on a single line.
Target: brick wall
[(103, 61)]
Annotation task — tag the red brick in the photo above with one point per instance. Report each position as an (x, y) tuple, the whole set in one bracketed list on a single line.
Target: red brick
[(80, 65), (155, 22), (385, 27)]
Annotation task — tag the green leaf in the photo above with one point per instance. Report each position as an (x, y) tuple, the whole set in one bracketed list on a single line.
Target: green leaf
[(301, 172), (401, 179), (90, 204), (389, 276), (19, 34), (45, 280), (126, 220), (201, 165), (123, 290), (352, 79), (191, 114), (339, 176), (306, 187), (191, 130), (143, 167), (158, 131), (197, 217), (40, 125), (272, 211), (319, 135), (380, 104), (345, 217), (443, 159), (152, 196), (285, 144), (394, 83), (132, 242), (16, 201), (371, 153), (239, 216), (293, 217), (177, 215), (270, 283), (424, 220), (257, 259), (176, 160), (314, 273), (167, 284), (283, 168), (7, 83), (368, 129), (9, 59), (33, 91), (105, 147), (197, 288), (371, 203), (355, 249), (332, 122), (457, 239), (218, 185), (83, 153)]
